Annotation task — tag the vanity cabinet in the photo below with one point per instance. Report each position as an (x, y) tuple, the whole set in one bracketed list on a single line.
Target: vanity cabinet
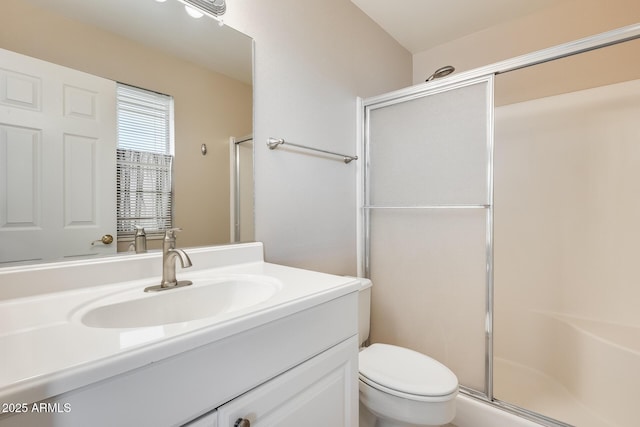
[(298, 370), (318, 393)]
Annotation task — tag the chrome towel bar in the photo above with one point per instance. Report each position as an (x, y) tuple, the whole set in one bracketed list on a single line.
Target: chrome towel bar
[(274, 143)]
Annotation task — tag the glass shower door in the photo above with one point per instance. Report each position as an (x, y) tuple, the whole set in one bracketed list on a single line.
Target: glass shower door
[(567, 324), (428, 219)]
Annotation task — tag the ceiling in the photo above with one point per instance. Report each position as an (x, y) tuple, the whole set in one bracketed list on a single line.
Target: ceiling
[(419, 25), (416, 24)]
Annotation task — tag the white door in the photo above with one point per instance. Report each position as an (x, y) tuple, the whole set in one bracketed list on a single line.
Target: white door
[(57, 160)]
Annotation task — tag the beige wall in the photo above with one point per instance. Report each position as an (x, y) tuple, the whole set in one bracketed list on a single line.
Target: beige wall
[(209, 107), (567, 21), (565, 205), (615, 64)]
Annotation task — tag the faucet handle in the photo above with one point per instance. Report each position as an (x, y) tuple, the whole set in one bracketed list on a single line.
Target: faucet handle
[(170, 233), (169, 241)]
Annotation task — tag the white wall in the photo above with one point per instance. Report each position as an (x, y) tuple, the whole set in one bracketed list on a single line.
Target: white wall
[(312, 59)]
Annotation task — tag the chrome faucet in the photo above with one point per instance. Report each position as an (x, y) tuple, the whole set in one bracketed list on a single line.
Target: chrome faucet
[(169, 255)]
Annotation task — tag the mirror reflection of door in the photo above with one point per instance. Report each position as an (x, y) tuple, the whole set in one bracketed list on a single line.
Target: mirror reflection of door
[(211, 83), (57, 139)]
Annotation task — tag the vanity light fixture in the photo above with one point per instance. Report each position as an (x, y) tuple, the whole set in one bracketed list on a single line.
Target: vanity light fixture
[(194, 13), (213, 8), (198, 8)]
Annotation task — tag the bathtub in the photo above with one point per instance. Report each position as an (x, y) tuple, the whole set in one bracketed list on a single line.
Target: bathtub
[(471, 412), (581, 371)]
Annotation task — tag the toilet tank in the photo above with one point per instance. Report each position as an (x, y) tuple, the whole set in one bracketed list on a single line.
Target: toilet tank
[(364, 309)]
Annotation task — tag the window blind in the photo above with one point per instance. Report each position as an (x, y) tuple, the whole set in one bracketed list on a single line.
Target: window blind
[(144, 160)]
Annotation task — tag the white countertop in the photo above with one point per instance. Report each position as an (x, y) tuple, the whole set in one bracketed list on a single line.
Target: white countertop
[(45, 350)]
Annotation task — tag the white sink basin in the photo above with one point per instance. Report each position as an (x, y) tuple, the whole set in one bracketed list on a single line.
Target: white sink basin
[(205, 298)]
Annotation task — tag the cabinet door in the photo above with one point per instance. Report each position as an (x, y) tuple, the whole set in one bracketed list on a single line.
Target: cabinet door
[(321, 392)]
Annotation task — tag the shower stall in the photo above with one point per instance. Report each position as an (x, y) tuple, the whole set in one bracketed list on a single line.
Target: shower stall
[(499, 225)]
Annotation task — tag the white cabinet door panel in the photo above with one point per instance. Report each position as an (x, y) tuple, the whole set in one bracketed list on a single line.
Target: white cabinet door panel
[(318, 393)]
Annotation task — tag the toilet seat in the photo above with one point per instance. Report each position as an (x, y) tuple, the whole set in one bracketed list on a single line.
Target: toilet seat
[(406, 373)]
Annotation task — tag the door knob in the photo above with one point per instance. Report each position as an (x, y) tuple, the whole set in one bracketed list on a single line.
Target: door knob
[(242, 422), (107, 239)]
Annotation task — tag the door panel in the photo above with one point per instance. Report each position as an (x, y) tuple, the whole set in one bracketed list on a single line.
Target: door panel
[(428, 221), (57, 146)]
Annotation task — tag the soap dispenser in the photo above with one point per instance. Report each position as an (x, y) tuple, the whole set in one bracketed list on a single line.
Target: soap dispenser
[(140, 240)]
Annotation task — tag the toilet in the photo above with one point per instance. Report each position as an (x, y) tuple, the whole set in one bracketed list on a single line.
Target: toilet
[(400, 387)]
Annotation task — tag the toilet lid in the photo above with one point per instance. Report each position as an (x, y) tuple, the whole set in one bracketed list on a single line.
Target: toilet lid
[(406, 371)]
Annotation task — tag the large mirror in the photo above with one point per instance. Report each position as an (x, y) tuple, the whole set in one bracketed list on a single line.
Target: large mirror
[(205, 66)]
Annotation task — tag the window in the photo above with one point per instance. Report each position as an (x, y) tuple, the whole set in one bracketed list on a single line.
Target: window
[(144, 161)]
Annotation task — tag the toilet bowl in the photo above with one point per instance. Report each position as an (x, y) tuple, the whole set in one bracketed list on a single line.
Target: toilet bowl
[(400, 387)]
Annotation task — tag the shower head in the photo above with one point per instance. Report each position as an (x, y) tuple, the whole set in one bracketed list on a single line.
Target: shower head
[(441, 72)]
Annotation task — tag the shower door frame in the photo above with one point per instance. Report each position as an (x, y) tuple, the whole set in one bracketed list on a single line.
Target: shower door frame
[(366, 207), (487, 204), (235, 190), (478, 75)]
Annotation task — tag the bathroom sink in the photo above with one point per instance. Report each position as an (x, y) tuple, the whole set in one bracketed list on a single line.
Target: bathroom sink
[(205, 298)]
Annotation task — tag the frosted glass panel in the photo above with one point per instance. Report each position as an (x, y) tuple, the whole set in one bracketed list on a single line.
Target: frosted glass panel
[(428, 271), (431, 150)]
